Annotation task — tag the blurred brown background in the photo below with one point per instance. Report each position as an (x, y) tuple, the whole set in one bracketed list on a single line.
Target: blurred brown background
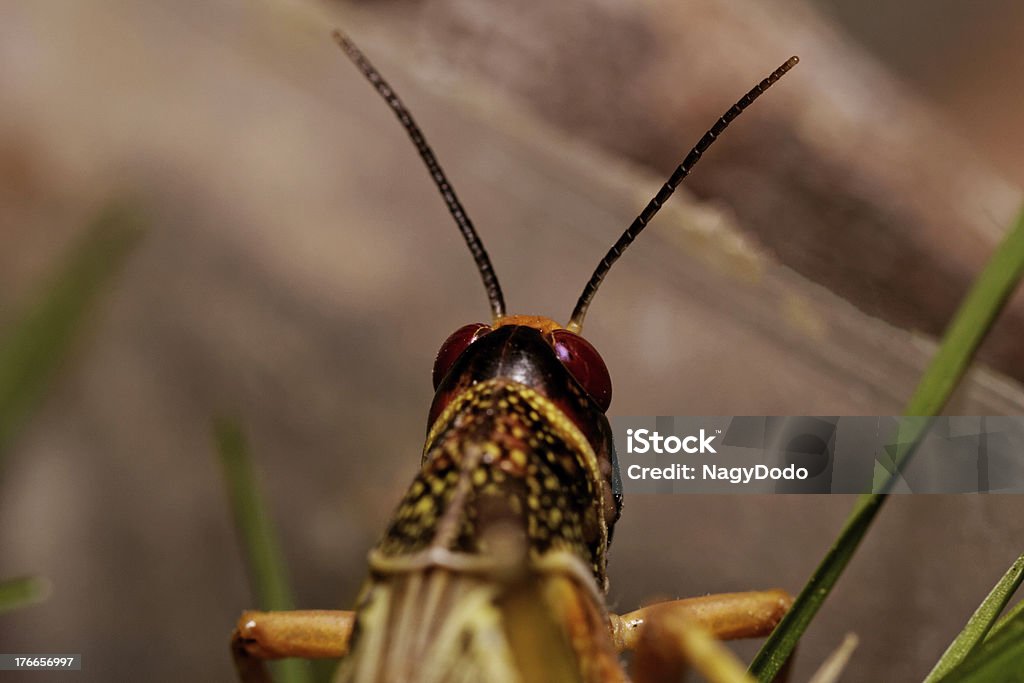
[(300, 272)]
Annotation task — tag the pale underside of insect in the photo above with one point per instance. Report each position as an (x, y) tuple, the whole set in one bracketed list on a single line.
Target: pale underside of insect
[(494, 566)]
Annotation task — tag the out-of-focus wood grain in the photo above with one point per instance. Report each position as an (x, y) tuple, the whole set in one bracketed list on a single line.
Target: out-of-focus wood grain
[(841, 172), (301, 272)]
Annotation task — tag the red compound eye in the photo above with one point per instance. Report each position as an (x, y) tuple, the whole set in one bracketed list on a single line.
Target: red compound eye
[(584, 362), (453, 347)]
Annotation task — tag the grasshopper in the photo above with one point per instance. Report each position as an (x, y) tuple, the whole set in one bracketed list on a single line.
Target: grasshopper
[(494, 566)]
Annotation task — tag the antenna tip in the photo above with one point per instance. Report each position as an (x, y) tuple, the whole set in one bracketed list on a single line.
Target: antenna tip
[(347, 46), (340, 38), (784, 69)]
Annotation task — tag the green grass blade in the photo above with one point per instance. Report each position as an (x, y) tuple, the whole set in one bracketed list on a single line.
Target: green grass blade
[(33, 350), (15, 593), (970, 325), (997, 659), (779, 646), (259, 538), (264, 560), (980, 623), (1007, 618)]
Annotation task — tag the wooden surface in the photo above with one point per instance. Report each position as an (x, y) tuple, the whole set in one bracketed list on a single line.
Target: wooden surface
[(300, 272), (842, 174)]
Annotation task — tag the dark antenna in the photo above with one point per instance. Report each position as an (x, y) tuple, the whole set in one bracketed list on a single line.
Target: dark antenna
[(641, 221), (476, 247)]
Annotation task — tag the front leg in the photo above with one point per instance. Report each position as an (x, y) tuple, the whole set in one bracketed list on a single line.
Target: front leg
[(311, 634), (667, 636), (728, 616)]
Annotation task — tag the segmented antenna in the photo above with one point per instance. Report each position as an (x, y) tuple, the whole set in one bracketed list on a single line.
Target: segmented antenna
[(476, 247), (641, 221)]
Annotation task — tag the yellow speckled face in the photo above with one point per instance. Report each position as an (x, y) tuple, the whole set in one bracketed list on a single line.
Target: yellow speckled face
[(501, 453)]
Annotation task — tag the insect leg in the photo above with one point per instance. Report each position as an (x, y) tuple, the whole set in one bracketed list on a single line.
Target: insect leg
[(669, 636), (670, 643), (311, 634), (727, 616)]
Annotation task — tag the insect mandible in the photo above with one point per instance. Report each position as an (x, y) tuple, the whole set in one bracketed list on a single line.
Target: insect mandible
[(494, 566)]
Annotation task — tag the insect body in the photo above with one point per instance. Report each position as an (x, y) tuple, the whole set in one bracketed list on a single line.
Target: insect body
[(494, 565)]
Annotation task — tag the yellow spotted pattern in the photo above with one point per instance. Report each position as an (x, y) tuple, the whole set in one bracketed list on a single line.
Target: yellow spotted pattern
[(502, 453)]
